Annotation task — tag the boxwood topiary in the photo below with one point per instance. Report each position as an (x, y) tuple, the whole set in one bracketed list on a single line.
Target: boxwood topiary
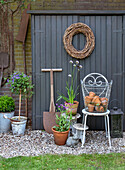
[(7, 104)]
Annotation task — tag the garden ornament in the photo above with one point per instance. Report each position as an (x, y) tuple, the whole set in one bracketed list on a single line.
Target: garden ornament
[(72, 141)]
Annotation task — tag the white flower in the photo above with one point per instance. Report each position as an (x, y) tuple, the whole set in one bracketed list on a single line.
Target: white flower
[(80, 66), (74, 65), (71, 61), (69, 75), (77, 62)]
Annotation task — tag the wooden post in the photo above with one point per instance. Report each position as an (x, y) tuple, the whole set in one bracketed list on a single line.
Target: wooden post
[(19, 104)]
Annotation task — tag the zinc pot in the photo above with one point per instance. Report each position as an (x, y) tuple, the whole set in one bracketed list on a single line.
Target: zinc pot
[(49, 120), (72, 108), (18, 128), (60, 137), (5, 123)]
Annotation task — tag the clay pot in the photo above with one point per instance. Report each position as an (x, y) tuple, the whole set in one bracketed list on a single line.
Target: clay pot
[(87, 100), (60, 137), (91, 95), (90, 107), (104, 101), (96, 100), (72, 108), (99, 108)]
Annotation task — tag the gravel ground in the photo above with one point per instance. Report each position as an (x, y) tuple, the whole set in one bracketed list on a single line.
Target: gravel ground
[(38, 142)]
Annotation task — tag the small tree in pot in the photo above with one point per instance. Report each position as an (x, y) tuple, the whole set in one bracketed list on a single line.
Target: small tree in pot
[(7, 107), (62, 128), (20, 84)]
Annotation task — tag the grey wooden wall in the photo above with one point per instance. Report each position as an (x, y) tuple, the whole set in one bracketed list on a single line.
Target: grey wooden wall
[(108, 58)]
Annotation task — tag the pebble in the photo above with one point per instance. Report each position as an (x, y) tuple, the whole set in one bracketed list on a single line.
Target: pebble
[(38, 142)]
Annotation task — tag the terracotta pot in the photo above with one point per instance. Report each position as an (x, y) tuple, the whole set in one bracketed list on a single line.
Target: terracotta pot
[(60, 137), (91, 95), (72, 108), (49, 120), (97, 108), (90, 107), (96, 100), (104, 101), (101, 109), (87, 100)]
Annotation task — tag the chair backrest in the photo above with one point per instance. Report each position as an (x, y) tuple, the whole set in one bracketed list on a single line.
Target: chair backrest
[(97, 83)]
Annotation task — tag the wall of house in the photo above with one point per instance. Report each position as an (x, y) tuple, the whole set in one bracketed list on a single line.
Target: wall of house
[(51, 5)]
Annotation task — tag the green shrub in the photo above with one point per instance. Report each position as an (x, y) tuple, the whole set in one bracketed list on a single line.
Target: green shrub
[(7, 104)]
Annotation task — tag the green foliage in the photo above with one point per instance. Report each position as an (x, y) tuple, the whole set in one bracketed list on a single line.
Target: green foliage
[(64, 120), (114, 161), (71, 84), (20, 82), (7, 104)]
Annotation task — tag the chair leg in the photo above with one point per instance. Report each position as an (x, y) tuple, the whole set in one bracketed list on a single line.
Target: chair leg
[(83, 140), (83, 119), (108, 131), (106, 126)]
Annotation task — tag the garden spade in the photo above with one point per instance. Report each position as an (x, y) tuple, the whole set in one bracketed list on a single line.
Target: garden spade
[(4, 63), (49, 117)]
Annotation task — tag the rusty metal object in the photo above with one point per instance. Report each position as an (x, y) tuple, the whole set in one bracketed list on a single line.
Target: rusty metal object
[(4, 63), (23, 25)]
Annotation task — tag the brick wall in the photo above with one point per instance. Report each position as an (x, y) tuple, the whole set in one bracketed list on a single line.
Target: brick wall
[(51, 5)]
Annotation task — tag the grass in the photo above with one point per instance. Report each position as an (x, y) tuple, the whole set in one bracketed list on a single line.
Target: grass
[(65, 162)]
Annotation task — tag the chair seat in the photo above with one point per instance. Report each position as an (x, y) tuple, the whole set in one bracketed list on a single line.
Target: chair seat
[(95, 114)]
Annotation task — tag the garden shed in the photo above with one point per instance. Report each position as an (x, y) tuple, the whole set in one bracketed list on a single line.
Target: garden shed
[(108, 57)]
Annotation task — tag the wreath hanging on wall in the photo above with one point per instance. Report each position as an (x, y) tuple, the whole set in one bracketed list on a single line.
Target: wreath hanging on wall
[(68, 37)]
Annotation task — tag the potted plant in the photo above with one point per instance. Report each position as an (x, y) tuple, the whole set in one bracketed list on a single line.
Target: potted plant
[(7, 107), (61, 130), (71, 89), (20, 84)]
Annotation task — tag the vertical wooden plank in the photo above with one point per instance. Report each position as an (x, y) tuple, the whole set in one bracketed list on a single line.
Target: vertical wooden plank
[(119, 61), (103, 64), (114, 56), (64, 58), (54, 51), (123, 65), (109, 52), (98, 43), (59, 55), (43, 63), (33, 73), (82, 42), (38, 71), (108, 47), (93, 63), (48, 59)]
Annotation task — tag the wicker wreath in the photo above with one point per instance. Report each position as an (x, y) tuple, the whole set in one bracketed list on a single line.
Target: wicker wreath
[(68, 36)]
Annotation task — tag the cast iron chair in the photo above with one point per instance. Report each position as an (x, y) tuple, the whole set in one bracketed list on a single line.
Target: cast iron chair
[(98, 84)]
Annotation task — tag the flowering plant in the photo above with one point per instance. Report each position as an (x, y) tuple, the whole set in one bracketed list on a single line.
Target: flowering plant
[(71, 84), (64, 120), (20, 84)]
